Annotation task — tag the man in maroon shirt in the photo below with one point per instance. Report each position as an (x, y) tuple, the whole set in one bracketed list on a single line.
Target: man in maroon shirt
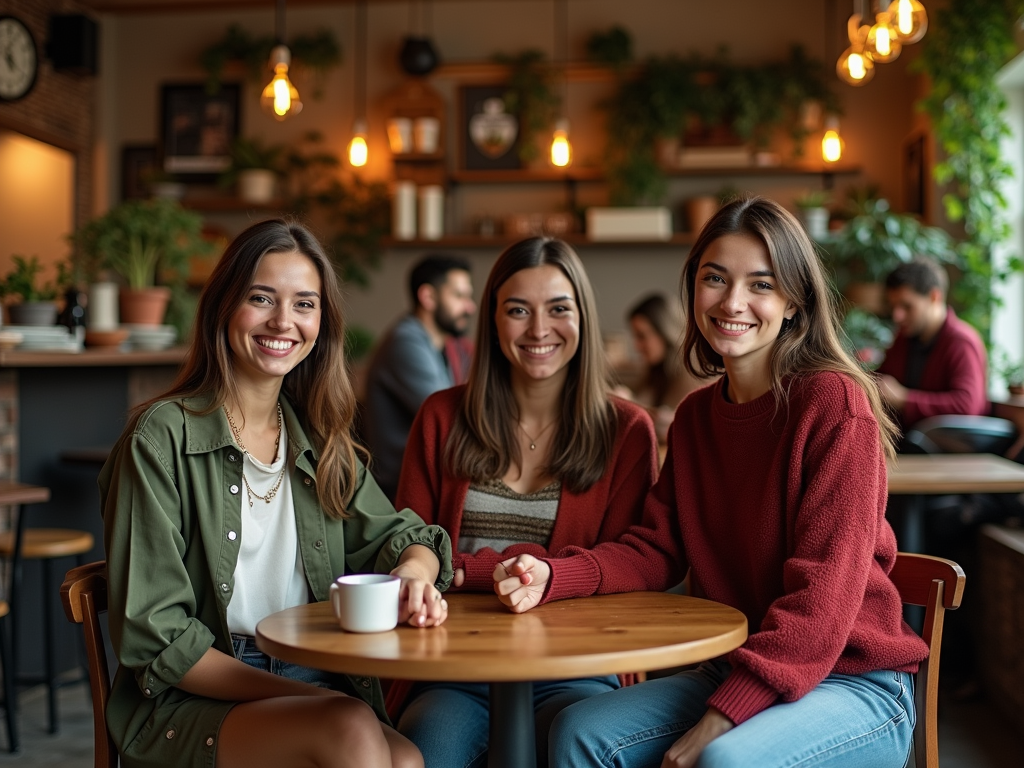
[(937, 363)]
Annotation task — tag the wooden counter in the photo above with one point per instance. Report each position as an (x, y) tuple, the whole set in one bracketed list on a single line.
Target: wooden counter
[(13, 358)]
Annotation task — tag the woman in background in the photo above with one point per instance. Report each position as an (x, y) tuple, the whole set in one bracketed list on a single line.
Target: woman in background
[(239, 493), (532, 455)]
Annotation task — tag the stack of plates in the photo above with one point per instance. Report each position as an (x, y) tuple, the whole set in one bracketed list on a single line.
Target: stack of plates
[(46, 338), (151, 337)]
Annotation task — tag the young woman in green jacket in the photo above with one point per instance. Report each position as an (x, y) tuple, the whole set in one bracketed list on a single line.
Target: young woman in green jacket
[(239, 493)]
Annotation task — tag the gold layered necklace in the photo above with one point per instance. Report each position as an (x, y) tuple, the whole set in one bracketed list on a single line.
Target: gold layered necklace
[(277, 446)]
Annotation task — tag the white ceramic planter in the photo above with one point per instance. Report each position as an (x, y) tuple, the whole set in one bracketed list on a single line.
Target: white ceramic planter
[(256, 185), (815, 221)]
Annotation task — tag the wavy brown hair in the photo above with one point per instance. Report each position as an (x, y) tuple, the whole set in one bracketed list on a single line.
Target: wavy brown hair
[(668, 324), (482, 444), (810, 342), (318, 388)]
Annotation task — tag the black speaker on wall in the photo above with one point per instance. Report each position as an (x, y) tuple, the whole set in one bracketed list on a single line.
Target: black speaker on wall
[(74, 44)]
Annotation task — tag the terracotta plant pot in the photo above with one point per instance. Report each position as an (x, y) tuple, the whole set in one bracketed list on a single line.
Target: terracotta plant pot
[(145, 306), (867, 296), (699, 210)]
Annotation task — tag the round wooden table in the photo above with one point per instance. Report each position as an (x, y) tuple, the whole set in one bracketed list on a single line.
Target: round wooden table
[(483, 642)]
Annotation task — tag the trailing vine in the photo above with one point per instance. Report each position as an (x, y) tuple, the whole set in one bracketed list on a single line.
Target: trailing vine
[(969, 43), (319, 52), (666, 95), (530, 96)]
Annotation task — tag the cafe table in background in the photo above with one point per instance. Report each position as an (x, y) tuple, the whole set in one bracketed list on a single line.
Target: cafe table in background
[(482, 641)]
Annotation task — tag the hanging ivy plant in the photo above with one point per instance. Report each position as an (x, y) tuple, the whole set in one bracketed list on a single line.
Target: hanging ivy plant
[(319, 52), (665, 95), (969, 43), (530, 96)]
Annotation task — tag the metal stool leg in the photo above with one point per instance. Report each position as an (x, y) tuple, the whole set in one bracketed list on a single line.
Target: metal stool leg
[(10, 700), (50, 665)]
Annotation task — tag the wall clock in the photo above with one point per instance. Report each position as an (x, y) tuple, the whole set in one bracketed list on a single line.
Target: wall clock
[(18, 61)]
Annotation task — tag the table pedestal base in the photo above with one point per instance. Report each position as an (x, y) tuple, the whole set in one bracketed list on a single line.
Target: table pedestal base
[(512, 741)]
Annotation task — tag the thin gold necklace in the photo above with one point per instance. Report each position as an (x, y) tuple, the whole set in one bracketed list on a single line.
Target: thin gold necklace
[(277, 446), (533, 440)]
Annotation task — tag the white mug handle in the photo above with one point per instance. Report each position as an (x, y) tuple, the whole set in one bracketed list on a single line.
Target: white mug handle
[(336, 599)]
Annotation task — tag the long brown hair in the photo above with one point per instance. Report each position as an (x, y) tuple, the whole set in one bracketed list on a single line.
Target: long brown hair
[(482, 444), (318, 388), (810, 342), (668, 324)]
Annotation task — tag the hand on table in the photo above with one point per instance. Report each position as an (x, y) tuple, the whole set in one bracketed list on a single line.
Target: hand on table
[(685, 752), (893, 393), (520, 582), (419, 602)]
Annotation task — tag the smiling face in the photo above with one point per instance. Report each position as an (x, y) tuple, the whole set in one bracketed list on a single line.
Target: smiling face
[(737, 304), (538, 323), (275, 326)]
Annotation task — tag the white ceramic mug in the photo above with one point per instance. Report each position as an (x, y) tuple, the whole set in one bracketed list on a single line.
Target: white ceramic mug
[(426, 131), (366, 602)]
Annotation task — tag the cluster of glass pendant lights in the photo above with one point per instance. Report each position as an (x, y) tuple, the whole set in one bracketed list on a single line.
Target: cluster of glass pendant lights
[(901, 23)]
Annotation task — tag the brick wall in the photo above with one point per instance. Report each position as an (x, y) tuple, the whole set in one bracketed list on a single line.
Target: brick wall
[(59, 109)]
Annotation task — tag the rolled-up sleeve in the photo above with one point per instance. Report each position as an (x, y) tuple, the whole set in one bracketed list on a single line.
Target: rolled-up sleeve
[(152, 603)]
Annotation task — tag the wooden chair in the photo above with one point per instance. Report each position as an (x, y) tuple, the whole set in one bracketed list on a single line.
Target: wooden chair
[(938, 585), (84, 597), (10, 703)]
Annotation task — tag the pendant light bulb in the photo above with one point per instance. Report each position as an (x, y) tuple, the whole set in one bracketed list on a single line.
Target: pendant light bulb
[(280, 98), (855, 66), (831, 141), (357, 151), (910, 20), (883, 44), (561, 149)]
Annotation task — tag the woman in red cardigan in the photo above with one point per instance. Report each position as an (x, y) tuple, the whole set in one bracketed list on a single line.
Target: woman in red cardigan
[(531, 456), (778, 509)]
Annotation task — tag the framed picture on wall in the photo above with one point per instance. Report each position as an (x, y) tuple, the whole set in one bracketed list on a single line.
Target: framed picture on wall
[(915, 175), (197, 129), (488, 134), (138, 161)]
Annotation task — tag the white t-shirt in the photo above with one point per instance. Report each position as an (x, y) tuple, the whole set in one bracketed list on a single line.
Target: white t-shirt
[(268, 574)]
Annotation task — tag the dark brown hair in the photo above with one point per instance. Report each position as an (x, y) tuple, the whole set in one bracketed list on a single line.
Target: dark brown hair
[(482, 444), (318, 388), (668, 324), (810, 342)]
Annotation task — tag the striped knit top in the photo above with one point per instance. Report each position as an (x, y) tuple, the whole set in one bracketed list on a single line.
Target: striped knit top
[(496, 516)]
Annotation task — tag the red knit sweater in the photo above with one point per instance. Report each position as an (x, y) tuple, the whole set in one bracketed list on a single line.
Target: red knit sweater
[(601, 513), (782, 516), (954, 378)]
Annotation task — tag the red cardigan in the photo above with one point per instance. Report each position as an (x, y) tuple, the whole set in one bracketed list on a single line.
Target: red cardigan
[(602, 513), (953, 380), (779, 513)]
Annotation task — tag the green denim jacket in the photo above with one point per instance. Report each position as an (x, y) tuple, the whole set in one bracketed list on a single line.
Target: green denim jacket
[(171, 503)]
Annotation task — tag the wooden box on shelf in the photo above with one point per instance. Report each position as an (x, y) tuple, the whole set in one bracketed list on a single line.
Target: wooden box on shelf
[(416, 132)]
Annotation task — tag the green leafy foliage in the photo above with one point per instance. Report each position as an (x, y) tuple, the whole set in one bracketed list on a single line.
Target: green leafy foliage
[(968, 44), (531, 97), (139, 239), (668, 94), (867, 336), (613, 48), (253, 154), (358, 342), (1011, 370), (22, 281)]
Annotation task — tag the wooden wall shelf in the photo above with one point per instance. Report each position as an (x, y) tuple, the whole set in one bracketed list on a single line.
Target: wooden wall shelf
[(492, 72), (499, 242), (526, 175), (230, 205)]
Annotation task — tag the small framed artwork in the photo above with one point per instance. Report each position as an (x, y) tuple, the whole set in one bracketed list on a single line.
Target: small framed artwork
[(488, 134), (138, 161), (197, 129), (915, 175)]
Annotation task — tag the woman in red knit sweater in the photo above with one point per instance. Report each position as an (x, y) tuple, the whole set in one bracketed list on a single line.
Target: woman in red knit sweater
[(778, 509), (531, 456)]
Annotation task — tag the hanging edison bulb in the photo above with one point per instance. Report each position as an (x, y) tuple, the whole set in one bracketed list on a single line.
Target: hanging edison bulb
[(280, 98), (561, 149), (910, 20), (831, 142), (883, 44), (357, 151), (855, 66)]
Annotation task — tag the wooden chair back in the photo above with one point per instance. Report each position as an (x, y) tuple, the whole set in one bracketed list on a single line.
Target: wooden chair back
[(84, 597), (938, 585)]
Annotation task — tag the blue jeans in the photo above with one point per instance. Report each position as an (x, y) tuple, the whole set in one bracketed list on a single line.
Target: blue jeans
[(449, 722), (847, 720), (245, 650)]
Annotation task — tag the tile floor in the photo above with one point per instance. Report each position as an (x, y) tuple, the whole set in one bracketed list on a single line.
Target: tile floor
[(972, 734)]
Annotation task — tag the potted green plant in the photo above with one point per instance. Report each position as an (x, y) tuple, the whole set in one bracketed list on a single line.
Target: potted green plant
[(255, 168), (1011, 371), (867, 336), (813, 212), (37, 305), (141, 240), (876, 240)]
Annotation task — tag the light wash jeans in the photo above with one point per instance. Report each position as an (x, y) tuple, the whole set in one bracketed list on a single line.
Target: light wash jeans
[(847, 720), (449, 722)]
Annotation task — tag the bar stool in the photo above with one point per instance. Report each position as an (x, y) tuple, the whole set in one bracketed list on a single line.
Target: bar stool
[(47, 545), (15, 496)]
